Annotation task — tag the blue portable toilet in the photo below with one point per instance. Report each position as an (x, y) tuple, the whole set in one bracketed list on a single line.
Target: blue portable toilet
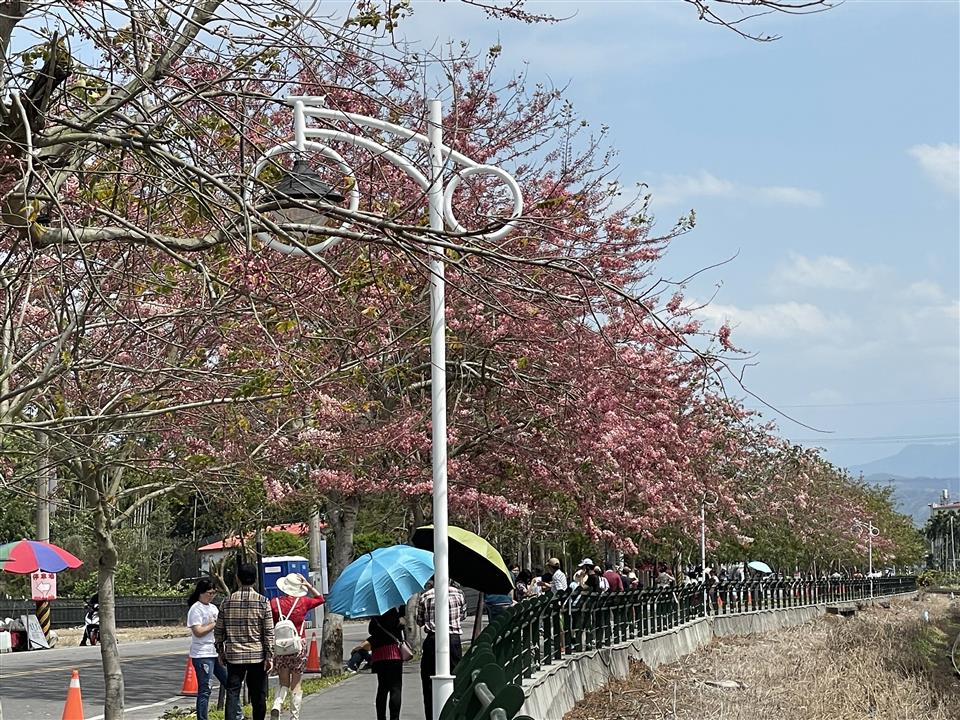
[(274, 568)]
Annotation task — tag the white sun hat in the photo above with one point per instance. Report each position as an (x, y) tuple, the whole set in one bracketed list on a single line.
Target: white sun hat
[(293, 585)]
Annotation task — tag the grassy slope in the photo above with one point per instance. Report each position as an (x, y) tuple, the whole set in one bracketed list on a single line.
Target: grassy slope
[(883, 664)]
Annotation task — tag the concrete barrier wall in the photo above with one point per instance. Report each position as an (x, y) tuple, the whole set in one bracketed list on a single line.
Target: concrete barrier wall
[(554, 691), (762, 621)]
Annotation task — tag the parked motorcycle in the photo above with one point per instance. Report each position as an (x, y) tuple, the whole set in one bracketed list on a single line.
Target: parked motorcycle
[(91, 622)]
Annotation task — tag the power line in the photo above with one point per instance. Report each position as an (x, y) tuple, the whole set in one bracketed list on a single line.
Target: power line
[(882, 439), (874, 403)]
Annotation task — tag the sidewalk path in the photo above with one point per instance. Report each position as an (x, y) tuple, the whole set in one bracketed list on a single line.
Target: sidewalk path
[(353, 699)]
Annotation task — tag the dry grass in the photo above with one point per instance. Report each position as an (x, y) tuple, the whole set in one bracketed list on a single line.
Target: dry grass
[(883, 664)]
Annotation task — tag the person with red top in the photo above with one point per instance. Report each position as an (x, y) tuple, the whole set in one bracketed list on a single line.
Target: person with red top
[(293, 605), (386, 634), (613, 577)]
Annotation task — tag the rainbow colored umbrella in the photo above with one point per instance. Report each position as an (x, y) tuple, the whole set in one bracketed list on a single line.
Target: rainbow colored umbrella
[(29, 556)]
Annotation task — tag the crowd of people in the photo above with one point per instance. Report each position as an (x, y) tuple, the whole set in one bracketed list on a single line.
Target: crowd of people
[(249, 636), (246, 638), (588, 576)]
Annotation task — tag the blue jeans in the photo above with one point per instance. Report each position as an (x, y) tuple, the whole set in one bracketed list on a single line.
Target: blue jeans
[(205, 669)]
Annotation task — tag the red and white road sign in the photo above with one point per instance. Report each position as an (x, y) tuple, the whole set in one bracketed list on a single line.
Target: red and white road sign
[(44, 585)]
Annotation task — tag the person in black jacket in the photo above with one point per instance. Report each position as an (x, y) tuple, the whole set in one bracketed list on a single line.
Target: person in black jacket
[(386, 634)]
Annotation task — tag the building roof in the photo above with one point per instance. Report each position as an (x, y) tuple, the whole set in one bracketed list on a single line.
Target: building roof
[(955, 505), (300, 529)]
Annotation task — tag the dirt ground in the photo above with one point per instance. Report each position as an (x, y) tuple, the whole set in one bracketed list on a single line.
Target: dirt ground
[(882, 664), (71, 636)]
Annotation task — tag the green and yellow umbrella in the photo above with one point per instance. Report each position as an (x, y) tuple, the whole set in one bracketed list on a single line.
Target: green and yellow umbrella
[(473, 561)]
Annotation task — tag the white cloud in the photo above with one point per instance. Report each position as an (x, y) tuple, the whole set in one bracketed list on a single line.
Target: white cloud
[(780, 320), (924, 290), (941, 163), (791, 196), (677, 189), (825, 272), (569, 50), (932, 314), (673, 189)]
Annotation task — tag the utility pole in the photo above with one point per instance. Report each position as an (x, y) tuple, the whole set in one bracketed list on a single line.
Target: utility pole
[(318, 565), (258, 551), (44, 471), (953, 546)]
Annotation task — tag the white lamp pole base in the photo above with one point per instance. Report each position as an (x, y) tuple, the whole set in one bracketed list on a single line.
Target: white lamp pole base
[(442, 690)]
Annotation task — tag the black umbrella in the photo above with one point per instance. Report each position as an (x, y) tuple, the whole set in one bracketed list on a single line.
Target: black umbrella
[(473, 561)]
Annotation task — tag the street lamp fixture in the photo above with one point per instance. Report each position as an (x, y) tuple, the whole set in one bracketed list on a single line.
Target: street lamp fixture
[(297, 195)]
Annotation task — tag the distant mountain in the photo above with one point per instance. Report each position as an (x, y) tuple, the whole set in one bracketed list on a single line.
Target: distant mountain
[(914, 494), (916, 461), (918, 474)]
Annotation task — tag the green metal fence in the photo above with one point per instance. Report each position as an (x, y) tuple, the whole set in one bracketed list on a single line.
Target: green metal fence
[(541, 631)]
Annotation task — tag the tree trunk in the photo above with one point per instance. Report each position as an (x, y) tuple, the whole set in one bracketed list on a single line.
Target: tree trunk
[(342, 516), (419, 519), (106, 572), (412, 630)]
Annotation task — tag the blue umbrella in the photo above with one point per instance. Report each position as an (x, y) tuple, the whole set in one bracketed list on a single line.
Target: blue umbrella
[(380, 580), (759, 566)]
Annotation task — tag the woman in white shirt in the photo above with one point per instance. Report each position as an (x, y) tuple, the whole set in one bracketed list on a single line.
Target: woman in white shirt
[(201, 619)]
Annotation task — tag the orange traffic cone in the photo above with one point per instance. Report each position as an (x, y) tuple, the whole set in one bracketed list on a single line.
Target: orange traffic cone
[(73, 710), (189, 680), (313, 657)]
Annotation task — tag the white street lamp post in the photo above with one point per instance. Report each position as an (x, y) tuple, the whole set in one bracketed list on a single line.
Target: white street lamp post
[(703, 554), (440, 203), (703, 542), (872, 531), (443, 679)]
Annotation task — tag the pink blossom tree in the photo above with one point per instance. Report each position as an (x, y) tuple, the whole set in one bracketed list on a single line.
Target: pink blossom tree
[(154, 346)]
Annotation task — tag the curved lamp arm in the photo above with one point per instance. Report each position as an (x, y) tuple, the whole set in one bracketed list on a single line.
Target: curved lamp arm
[(316, 139)]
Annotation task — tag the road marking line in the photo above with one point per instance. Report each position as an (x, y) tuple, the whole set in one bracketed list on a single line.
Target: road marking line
[(87, 664), (142, 707)]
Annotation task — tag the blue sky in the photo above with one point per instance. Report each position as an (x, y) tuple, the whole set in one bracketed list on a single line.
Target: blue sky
[(826, 162)]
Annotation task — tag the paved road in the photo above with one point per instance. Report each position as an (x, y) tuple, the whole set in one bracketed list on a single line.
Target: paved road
[(33, 685)]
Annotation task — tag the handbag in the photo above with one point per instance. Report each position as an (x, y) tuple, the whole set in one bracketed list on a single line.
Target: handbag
[(406, 652)]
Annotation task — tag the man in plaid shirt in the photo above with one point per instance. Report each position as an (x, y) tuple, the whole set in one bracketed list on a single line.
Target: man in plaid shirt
[(427, 619), (244, 642)]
